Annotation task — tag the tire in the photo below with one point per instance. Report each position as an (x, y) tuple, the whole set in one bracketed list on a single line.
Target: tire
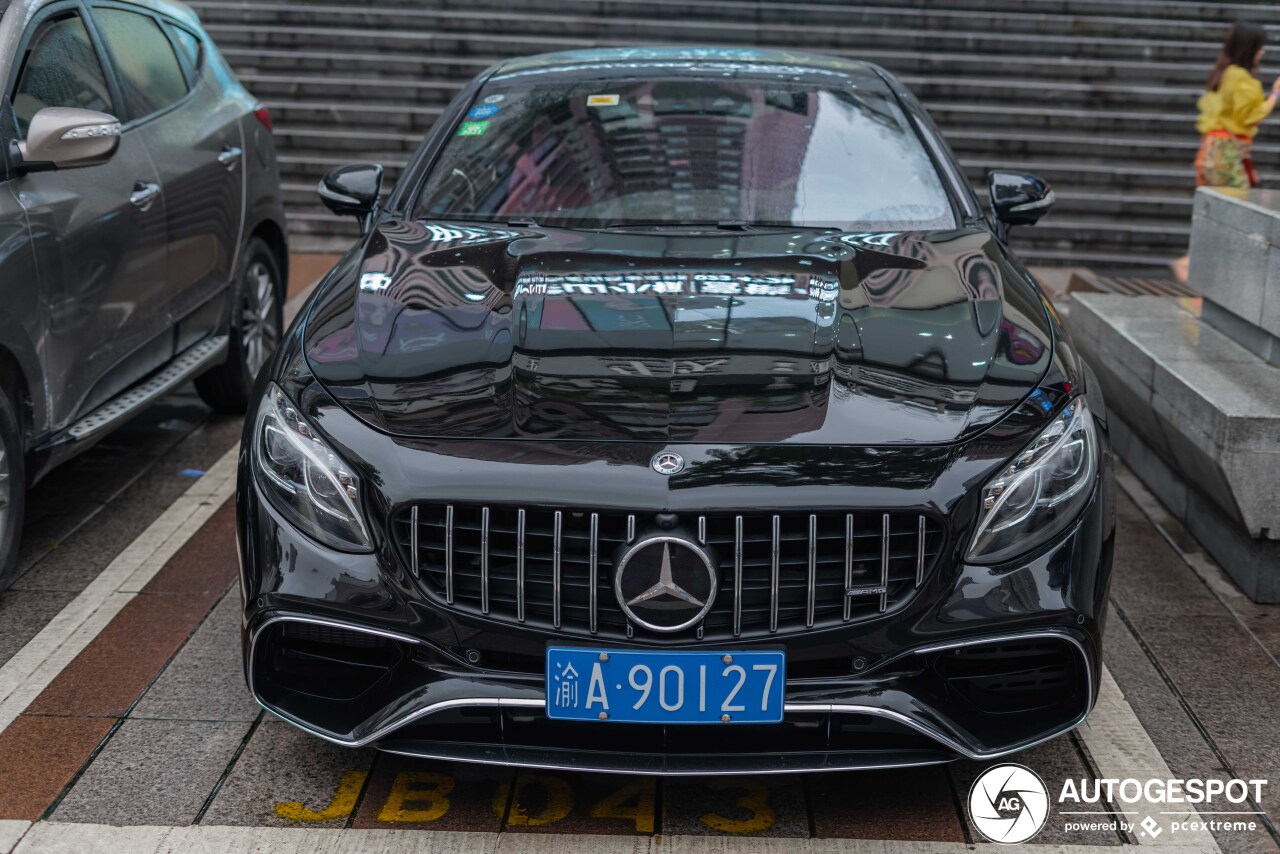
[(13, 490), (257, 319)]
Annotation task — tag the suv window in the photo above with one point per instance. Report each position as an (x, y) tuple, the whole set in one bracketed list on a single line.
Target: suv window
[(188, 43), (59, 69), (148, 68)]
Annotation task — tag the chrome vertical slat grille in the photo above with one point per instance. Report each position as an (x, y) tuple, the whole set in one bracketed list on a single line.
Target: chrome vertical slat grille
[(484, 560), (775, 573), (737, 576), (593, 590), (813, 570), (520, 564), (920, 546), (448, 555), (848, 566), (413, 542), (884, 565), (555, 572), (779, 572)]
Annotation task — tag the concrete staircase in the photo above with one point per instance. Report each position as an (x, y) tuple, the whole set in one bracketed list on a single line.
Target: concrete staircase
[(1097, 96)]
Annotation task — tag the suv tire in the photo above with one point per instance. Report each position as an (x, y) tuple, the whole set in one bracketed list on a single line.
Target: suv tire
[(257, 320), (13, 489)]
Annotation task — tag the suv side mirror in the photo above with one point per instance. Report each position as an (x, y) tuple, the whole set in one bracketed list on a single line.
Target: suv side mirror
[(67, 138), (352, 190), (1019, 199)]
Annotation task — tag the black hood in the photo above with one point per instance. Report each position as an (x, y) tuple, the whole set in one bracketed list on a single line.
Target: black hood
[(459, 330)]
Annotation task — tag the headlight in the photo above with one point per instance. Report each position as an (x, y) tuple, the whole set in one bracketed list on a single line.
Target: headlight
[(304, 479), (1041, 491)]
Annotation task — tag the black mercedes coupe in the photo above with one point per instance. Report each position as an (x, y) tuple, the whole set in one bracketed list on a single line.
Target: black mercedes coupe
[(681, 411)]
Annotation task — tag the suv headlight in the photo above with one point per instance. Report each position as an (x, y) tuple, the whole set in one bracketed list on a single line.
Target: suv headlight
[(1041, 491), (304, 479)]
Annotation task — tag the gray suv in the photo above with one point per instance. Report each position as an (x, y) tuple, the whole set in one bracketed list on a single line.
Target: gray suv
[(142, 238)]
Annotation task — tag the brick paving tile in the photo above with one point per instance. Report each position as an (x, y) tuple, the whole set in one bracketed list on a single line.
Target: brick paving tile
[(764, 805), (424, 794), (39, 756), (567, 802), (115, 668), (153, 772), (912, 804), (287, 778), (207, 562)]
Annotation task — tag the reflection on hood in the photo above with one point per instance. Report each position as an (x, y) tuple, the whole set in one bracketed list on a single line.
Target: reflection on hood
[(456, 330)]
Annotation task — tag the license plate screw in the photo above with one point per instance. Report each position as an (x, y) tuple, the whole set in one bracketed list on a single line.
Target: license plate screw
[(604, 656), (604, 716), (724, 719), (727, 659)]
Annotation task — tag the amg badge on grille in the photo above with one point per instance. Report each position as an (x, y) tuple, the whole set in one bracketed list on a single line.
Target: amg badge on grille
[(665, 584)]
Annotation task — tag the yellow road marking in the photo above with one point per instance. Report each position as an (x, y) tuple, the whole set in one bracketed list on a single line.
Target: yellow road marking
[(755, 800), (417, 796), (341, 805), (559, 801), (633, 802)]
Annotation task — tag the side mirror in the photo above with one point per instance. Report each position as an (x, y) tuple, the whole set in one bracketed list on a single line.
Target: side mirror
[(1019, 199), (68, 137), (352, 190)]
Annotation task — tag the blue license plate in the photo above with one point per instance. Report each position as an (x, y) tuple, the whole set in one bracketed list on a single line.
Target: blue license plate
[(677, 687)]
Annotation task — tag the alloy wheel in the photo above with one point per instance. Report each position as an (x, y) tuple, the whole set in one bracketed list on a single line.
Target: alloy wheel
[(258, 332), (4, 492)]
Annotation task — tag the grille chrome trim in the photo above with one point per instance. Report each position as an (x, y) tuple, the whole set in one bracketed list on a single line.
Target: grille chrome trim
[(919, 553), (737, 576), (448, 554), (544, 566), (519, 565), (413, 541), (774, 575), (484, 561), (594, 591), (555, 572), (848, 566), (813, 571), (884, 564)]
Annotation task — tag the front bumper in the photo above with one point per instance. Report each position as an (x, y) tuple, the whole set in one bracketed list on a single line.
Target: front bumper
[(351, 648)]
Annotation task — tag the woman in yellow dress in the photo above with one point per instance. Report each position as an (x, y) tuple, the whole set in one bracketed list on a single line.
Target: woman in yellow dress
[(1231, 109)]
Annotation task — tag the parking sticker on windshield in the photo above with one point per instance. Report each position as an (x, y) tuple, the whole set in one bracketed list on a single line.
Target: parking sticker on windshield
[(483, 111), (602, 100), (473, 128), (494, 99)]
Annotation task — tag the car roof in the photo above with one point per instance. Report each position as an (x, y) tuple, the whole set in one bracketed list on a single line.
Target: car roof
[(615, 61), (173, 8)]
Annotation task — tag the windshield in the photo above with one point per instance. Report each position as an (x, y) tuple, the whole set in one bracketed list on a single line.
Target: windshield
[(687, 150)]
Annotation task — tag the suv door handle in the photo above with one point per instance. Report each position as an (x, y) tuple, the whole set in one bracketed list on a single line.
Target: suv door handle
[(144, 195), (230, 156)]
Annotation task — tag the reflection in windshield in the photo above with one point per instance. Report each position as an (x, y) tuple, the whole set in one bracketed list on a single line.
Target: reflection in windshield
[(688, 149)]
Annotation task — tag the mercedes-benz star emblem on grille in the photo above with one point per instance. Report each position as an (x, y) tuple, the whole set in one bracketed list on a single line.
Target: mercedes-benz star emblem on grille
[(665, 584), (667, 463)]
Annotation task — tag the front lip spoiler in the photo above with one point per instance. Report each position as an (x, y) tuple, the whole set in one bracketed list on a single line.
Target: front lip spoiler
[(686, 765), (531, 703)]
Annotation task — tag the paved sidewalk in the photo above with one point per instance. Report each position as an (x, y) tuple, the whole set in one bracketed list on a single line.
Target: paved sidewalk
[(125, 724)]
